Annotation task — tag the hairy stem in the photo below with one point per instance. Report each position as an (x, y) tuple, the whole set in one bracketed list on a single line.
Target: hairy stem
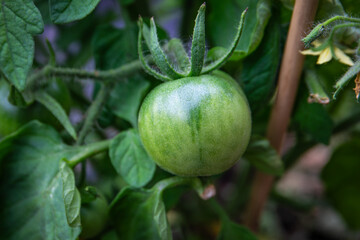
[(116, 74), (176, 181)]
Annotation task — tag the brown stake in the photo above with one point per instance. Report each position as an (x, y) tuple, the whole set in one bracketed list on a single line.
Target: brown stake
[(290, 72)]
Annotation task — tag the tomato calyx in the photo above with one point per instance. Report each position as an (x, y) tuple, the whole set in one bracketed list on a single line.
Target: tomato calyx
[(181, 65)]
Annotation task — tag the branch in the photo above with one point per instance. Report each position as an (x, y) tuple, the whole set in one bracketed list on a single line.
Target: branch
[(93, 112), (108, 75)]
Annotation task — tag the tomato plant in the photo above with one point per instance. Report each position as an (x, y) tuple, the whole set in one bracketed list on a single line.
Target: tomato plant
[(115, 126)]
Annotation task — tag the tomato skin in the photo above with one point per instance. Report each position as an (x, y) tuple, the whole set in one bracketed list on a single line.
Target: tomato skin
[(196, 126), (94, 217)]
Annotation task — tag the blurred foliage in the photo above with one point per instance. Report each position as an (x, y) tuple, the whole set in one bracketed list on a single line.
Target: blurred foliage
[(104, 36)]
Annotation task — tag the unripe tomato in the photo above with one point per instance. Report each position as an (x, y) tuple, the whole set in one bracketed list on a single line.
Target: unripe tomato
[(94, 217), (196, 126)]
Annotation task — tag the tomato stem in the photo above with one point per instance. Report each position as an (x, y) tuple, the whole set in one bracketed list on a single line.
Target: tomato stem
[(111, 75), (93, 112), (88, 151), (176, 181)]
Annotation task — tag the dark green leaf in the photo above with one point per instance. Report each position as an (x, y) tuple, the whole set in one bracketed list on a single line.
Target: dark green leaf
[(31, 191), (342, 182), (225, 13), (140, 214), (327, 9), (16, 98), (57, 110), (11, 117), (260, 68), (263, 156), (108, 40), (231, 231), (312, 118), (130, 159), (126, 97), (19, 20), (71, 195), (64, 11)]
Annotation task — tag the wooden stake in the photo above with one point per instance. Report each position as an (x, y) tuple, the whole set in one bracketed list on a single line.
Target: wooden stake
[(290, 72)]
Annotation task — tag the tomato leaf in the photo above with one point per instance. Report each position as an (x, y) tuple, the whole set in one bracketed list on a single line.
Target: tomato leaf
[(130, 159), (313, 119), (57, 110), (125, 98), (342, 182), (19, 20), (258, 75), (64, 11), (230, 230), (140, 214), (30, 169), (71, 195), (221, 26), (263, 156)]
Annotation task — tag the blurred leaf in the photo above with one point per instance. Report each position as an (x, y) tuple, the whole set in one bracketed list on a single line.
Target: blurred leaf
[(231, 231), (263, 156), (71, 196), (130, 159), (126, 97), (10, 116), (56, 109), (64, 11), (140, 214), (16, 98), (329, 8), (342, 182), (313, 119), (350, 8), (223, 16), (126, 2), (19, 20), (31, 191), (108, 40), (259, 70)]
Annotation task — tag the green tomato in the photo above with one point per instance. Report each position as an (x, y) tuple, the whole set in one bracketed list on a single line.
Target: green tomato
[(94, 217), (196, 126)]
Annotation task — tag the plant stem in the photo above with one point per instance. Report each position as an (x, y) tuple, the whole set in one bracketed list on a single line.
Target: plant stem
[(176, 181), (93, 112), (88, 151), (290, 72), (342, 26), (333, 19), (115, 74)]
